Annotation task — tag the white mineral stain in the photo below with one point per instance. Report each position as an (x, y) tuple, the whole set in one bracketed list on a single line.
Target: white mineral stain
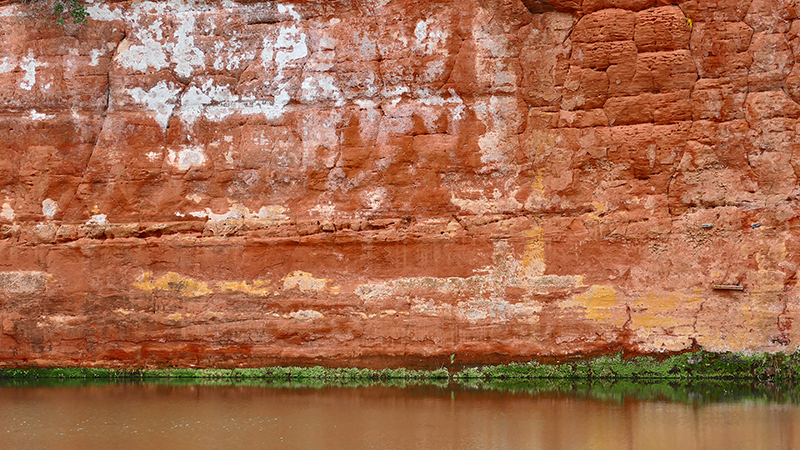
[(327, 42), (433, 69), (497, 309), (267, 215), (98, 219), (497, 145), (490, 145), (498, 203), (184, 53), (186, 158), (293, 45), (303, 281), (267, 52), (319, 132), (421, 31), (270, 110), (133, 13), (273, 213), (327, 212), (7, 212), (283, 9), (163, 37), (160, 99), (194, 103), (305, 314), (230, 55), (374, 198), (102, 12), (151, 48), (397, 91), (366, 104), (29, 65), (235, 213), (49, 208), (428, 37), (149, 54), (23, 282), (321, 88), (454, 102), (217, 102), (95, 55), (490, 283), (496, 45), (39, 116), (10, 11), (7, 65)]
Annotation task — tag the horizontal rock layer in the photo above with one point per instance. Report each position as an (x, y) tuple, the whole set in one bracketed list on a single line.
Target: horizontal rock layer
[(395, 182)]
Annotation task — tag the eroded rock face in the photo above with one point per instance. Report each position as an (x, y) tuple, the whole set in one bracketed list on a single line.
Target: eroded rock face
[(392, 182)]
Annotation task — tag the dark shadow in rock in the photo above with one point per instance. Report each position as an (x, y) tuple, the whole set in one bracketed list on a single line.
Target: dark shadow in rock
[(540, 6)]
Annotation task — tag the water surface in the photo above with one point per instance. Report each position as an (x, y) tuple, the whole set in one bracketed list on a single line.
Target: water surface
[(126, 415)]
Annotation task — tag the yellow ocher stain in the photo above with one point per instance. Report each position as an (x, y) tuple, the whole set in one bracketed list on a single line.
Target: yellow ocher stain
[(305, 282), (598, 304), (259, 287), (539, 141), (599, 208), (172, 281), (177, 316), (533, 259), (658, 310), (537, 185)]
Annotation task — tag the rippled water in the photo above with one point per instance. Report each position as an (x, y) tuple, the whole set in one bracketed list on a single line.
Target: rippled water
[(604, 416)]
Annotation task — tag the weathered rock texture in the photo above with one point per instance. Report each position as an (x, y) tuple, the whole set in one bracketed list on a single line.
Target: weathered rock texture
[(392, 182)]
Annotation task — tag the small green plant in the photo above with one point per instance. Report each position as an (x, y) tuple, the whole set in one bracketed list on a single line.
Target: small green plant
[(72, 8), (61, 10)]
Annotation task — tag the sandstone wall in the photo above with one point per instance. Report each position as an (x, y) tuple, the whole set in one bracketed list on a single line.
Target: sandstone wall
[(392, 182)]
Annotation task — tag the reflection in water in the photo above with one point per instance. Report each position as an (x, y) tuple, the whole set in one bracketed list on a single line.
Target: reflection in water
[(531, 416)]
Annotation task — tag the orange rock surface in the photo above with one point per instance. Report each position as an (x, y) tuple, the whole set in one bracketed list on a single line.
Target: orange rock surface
[(392, 182)]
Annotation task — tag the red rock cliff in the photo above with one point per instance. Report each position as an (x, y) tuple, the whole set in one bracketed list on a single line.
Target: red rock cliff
[(391, 182)]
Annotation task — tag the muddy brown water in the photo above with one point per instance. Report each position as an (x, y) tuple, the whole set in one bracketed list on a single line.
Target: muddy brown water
[(173, 416)]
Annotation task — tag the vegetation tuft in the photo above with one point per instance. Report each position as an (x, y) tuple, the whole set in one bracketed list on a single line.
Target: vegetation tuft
[(764, 367), (685, 366), (271, 373), (59, 9)]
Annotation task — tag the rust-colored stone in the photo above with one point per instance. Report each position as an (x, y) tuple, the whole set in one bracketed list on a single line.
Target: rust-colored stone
[(391, 183)]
